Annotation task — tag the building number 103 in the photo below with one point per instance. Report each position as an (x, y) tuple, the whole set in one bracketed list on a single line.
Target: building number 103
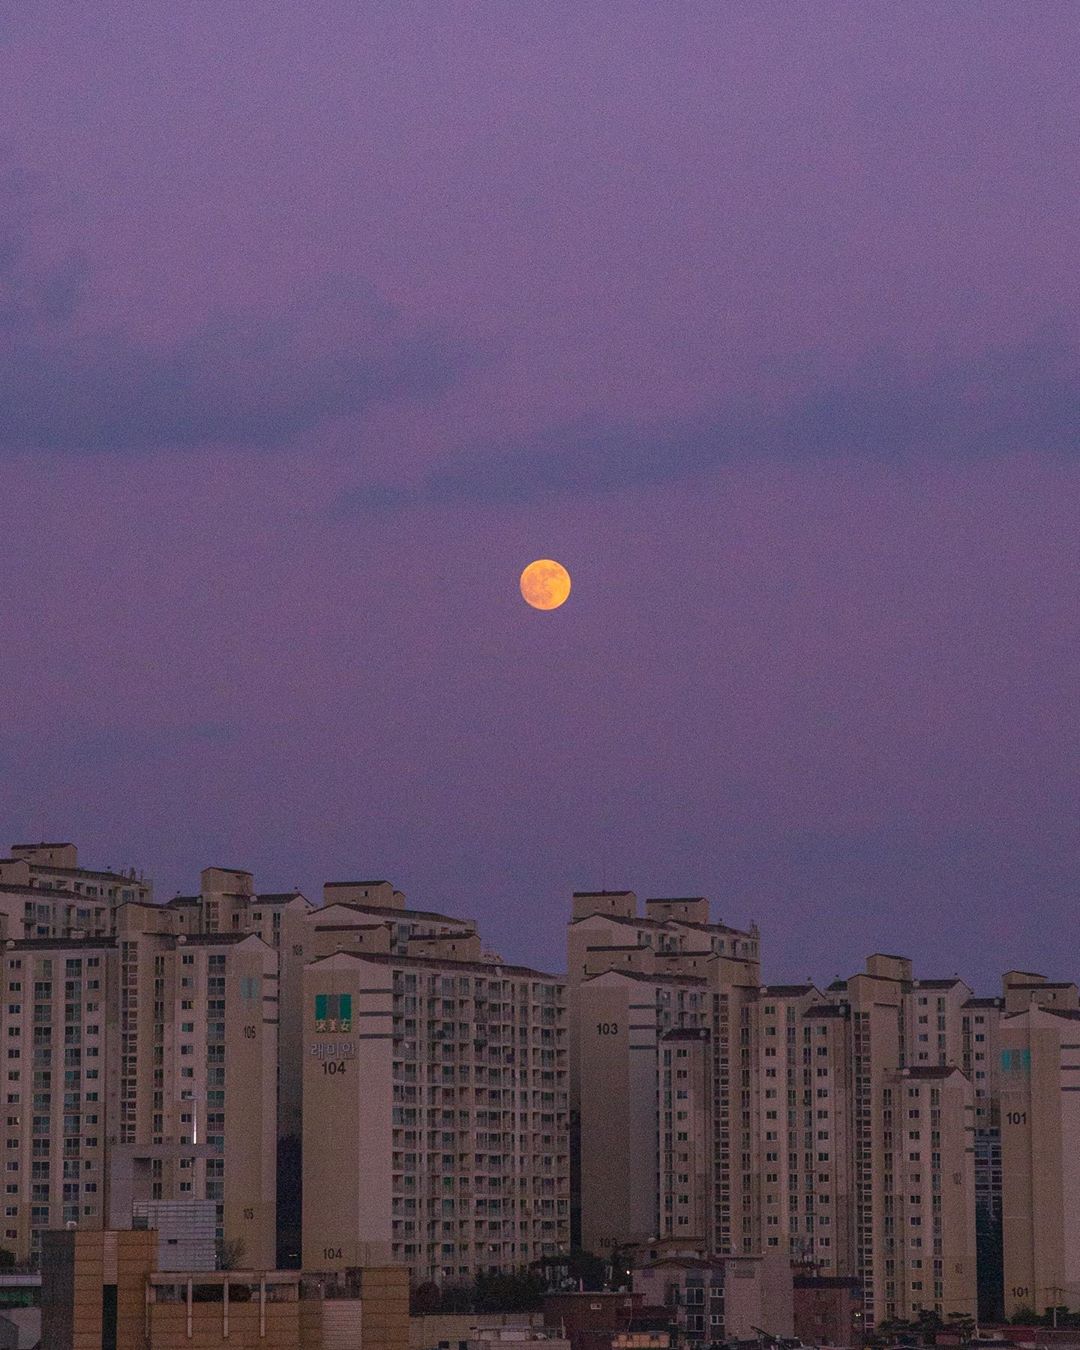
[(607, 1028)]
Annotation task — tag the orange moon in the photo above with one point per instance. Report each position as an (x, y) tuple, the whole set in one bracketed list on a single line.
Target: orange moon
[(545, 584)]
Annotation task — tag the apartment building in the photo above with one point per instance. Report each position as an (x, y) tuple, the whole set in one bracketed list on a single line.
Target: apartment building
[(834, 1126), (803, 1079), (658, 1004), (197, 1085), (60, 1043), (435, 1096), (228, 903), (140, 1058), (1039, 1066), (45, 894), (981, 1019)]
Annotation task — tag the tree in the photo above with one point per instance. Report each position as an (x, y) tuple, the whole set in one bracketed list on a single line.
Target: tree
[(519, 1291), (457, 1298), (961, 1325), (577, 1267), (230, 1253), (425, 1299), (620, 1267), (894, 1331)]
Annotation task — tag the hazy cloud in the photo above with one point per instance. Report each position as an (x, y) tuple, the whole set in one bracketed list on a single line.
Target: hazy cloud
[(257, 379), (1027, 398)]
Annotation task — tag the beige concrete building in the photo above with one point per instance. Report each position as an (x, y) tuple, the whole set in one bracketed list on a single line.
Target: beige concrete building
[(834, 1128), (453, 1331), (982, 1062), (658, 1120), (1040, 1152), (435, 1108), (45, 894), (61, 1044), (140, 1058), (720, 1298), (175, 1085), (104, 1291)]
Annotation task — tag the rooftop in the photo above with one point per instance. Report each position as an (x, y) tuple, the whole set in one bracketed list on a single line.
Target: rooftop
[(1070, 1014), (393, 913), (697, 981), (709, 927), (210, 939), (349, 927), (60, 943), (493, 968), (82, 872), (49, 893)]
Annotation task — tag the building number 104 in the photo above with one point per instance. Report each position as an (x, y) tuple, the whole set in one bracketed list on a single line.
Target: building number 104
[(333, 1066)]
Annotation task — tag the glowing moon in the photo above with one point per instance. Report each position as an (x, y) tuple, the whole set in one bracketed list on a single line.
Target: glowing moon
[(545, 584)]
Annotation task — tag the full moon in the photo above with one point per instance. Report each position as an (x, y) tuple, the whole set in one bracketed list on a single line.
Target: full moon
[(545, 584)]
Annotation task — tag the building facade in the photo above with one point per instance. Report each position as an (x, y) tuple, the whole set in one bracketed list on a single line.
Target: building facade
[(435, 1099), (1039, 1053), (833, 1127), (140, 1059)]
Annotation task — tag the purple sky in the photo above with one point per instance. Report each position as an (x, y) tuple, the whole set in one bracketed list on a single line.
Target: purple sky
[(317, 323)]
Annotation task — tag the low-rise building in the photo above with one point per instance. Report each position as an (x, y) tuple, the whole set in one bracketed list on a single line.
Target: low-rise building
[(597, 1321), (103, 1291), (720, 1298), (827, 1309)]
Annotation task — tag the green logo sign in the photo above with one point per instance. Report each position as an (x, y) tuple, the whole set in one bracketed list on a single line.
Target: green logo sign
[(333, 1012)]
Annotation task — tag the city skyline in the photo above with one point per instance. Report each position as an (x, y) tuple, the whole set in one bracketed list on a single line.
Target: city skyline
[(184, 1063), (761, 319), (554, 963)]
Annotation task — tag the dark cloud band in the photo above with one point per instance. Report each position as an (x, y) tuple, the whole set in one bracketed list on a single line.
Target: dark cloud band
[(1023, 399)]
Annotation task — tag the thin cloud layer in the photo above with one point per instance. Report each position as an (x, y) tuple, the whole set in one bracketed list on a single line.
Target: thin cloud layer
[(1027, 398), (259, 379)]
